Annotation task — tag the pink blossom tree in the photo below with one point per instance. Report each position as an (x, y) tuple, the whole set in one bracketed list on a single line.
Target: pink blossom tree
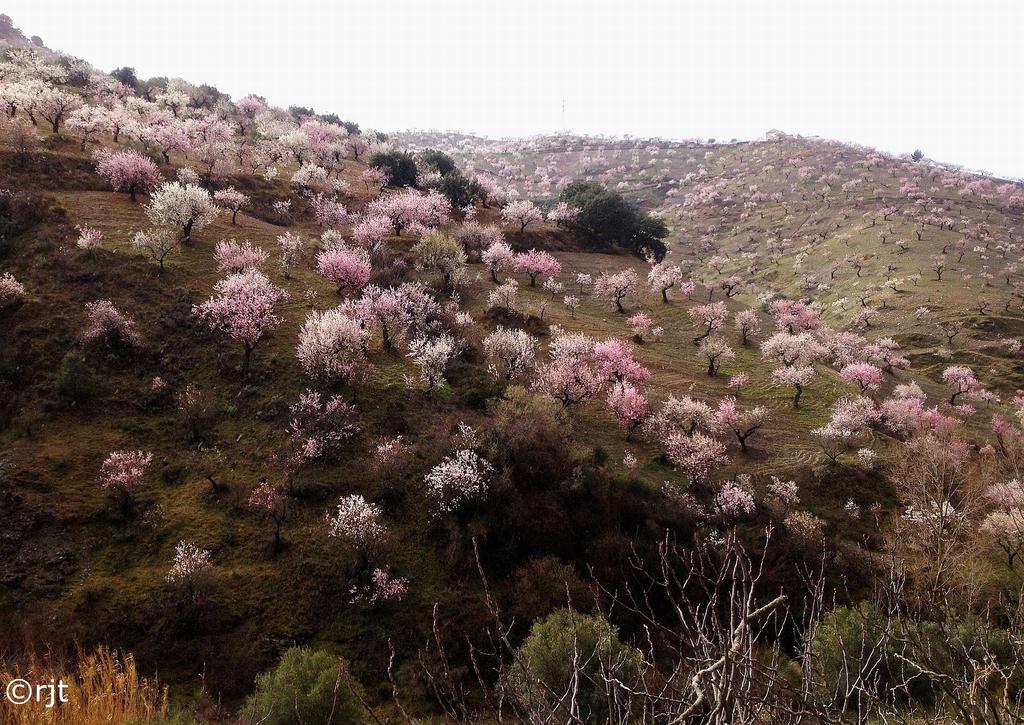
[(521, 212), (793, 316), (128, 171), (231, 199), (233, 257), (641, 324), (616, 286), (371, 230), (475, 238), (169, 137), (628, 404), (616, 362), (963, 381), (697, 455), (733, 501), (570, 377), (123, 471), (742, 423), (318, 428), (108, 326), (409, 207), (534, 264), (347, 268), (386, 310), (499, 256), (270, 502), (711, 317), (243, 309), (328, 212), (864, 375), (374, 177), (563, 214)]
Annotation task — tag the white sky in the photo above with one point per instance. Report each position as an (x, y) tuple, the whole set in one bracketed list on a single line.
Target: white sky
[(941, 75)]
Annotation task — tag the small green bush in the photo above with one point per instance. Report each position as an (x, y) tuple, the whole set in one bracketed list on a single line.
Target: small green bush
[(307, 686), (547, 656)]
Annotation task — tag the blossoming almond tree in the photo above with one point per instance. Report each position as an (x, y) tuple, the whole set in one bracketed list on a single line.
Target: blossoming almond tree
[(459, 479), (187, 207), (697, 455), (432, 355), (563, 214), (864, 375), (616, 286), (534, 264), (797, 377), (157, 242), (710, 317), (357, 522), (332, 347), (243, 309), (743, 424), (963, 381), (271, 502), (349, 269), (233, 257), (715, 349), (232, 200), (109, 326), (128, 171), (663, 276), (521, 212), (747, 323), (628, 404), (11, 290), (499, 256), (189, 567), (616, 362), (511, 352), (409, 207), (122, 472), (571, 376)]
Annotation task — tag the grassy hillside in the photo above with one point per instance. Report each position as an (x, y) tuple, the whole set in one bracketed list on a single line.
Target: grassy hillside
[(571, 498)]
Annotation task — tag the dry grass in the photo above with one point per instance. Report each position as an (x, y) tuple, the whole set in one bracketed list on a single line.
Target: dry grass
[(102, 687)]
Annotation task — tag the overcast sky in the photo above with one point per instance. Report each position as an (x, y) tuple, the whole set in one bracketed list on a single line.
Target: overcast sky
[(941, 75)]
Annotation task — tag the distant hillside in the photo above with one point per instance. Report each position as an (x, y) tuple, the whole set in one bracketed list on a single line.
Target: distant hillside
[(13, 37), (854, 219)]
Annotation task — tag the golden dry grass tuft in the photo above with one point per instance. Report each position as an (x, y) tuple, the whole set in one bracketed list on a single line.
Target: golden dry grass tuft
[(101, 687)]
